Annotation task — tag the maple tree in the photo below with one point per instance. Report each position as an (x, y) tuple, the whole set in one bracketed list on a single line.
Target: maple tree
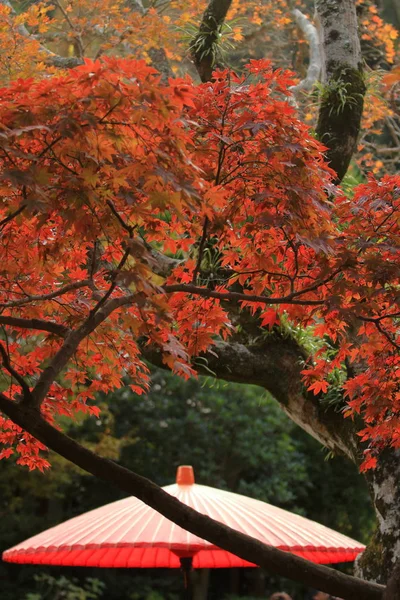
[(195, 226)]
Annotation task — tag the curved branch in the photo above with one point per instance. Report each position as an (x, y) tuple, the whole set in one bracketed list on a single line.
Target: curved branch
[(239, 297), (12, 216), (275, 363), (315, 62), (40, 298), (39, 324), (71, 343), (18, 378), (248, 548)]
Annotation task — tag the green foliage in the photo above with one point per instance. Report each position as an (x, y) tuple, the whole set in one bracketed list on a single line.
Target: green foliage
[(338, 94), (304, 336), (217, 42), (337, 495), (352, 178), (62, 588), (242, 440), (148, 594)]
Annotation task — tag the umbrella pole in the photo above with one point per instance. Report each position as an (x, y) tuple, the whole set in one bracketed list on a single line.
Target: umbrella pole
[(186, 566)]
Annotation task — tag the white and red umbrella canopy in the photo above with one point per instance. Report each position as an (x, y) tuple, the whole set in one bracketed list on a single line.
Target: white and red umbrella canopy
[(128, 533)]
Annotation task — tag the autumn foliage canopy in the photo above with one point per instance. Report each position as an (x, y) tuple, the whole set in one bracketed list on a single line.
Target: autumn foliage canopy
[(136, 215)]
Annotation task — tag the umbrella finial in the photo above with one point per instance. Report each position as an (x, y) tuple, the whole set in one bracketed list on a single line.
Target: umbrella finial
[(185, 475)]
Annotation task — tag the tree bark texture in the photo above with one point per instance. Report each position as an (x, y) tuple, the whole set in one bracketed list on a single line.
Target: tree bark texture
[(342, 98), (392, 591), (204, 45), (378, 561)]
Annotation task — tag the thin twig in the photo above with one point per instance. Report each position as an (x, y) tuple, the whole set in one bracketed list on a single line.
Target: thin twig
[(71, 343), (64, 290), (201, 250), (378, 319), (14, 373), (113, 282), (129, 228), (237, 296), (72, 27), (12, 216), (315, 62)]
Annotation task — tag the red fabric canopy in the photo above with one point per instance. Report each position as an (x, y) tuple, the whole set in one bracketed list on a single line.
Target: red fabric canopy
[(128, 533)]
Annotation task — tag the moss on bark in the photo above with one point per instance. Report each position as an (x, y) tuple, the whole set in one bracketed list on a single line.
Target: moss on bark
[(341, 108), (370, 564), (377, 562)]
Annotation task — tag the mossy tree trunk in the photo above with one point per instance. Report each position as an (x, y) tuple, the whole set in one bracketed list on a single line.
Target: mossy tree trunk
[(378, 561), (342, 80)]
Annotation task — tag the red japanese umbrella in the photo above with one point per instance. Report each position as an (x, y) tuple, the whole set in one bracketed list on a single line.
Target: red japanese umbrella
[(128, 533)]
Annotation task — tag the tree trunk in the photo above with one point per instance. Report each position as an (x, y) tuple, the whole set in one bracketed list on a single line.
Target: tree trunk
[(342, 99), (392, 591), (378, 561), (200, 580)]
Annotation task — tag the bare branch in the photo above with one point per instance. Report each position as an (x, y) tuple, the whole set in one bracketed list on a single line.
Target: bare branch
[(201, 250), (387, 336), (77, 36), (18, 378), (161, 264), (12, 216), (120, 220), (41, 298), (250, 549), (38, 324), (239, 297), (113, 285), (62, 62), (315, 62), (273, 363), (71, 343)]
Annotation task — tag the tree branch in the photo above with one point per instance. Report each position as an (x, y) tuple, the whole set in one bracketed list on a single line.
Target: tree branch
[(71, 343), (315, 62), (244, 546), (18, 378), (41, 298), (39, 324), (12, 216), (239, 297), (274, 362)]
